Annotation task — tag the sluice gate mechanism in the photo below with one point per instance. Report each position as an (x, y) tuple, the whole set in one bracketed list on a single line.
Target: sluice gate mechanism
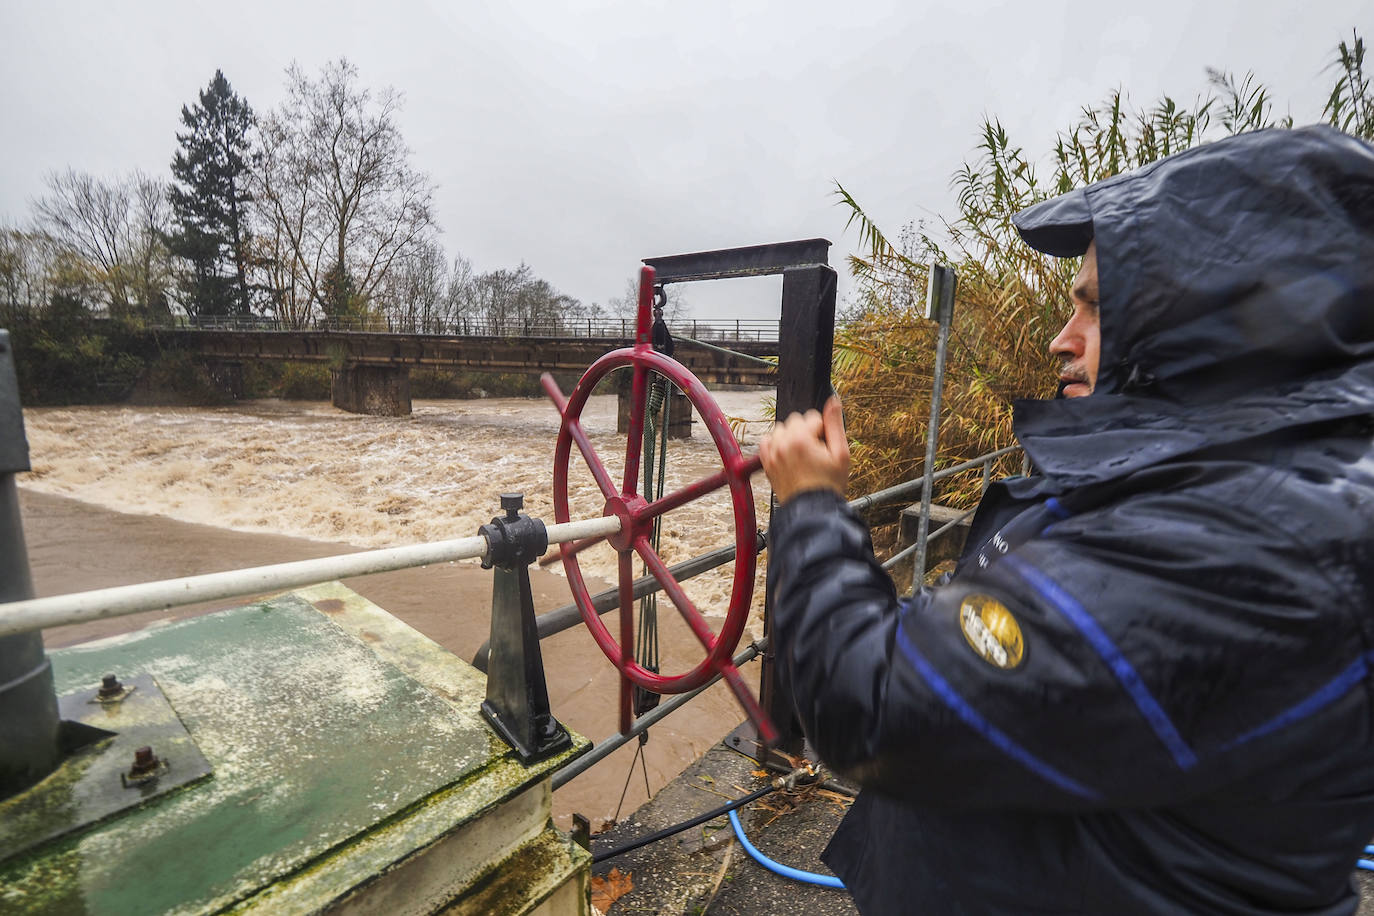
[(308, 752)]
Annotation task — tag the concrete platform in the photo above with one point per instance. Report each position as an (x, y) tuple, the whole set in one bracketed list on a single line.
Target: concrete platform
[(350, 772)]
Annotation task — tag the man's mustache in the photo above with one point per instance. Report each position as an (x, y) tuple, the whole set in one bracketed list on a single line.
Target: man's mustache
[(1069, 375)]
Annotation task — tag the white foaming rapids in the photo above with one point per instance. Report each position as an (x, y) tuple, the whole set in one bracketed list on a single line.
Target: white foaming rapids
[(308, 470)]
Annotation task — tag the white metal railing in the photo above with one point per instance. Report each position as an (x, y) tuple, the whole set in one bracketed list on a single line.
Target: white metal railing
[(742, 330), (60, 610)]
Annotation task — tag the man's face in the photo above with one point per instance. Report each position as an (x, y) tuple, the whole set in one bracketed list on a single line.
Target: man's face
[(1080, 342)]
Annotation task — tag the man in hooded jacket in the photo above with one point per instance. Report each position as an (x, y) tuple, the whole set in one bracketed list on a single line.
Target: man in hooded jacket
[(1147, 687)]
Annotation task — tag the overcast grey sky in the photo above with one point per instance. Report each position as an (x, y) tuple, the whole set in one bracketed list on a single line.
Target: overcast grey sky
[(580, 138)]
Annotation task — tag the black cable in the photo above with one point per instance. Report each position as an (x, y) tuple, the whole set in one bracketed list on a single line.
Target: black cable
[(685, 825)]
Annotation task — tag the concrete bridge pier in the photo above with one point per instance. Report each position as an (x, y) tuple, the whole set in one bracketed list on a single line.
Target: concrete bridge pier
[(380, 391), (679, 410)]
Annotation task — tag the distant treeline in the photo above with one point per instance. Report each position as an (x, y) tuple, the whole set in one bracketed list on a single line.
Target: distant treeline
[(312, 210)]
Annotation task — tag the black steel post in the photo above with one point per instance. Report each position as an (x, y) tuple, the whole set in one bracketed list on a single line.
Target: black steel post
[(517, 703), (28, 703), (805, 341)]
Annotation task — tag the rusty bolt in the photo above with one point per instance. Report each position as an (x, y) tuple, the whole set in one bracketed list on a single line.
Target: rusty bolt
[(145, 762), (110, 686)]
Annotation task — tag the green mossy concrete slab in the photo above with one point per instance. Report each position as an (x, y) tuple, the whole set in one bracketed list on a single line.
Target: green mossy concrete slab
[(317, 740)]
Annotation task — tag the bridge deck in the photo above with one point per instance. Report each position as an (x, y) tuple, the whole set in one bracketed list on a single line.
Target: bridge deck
[(485, 354)]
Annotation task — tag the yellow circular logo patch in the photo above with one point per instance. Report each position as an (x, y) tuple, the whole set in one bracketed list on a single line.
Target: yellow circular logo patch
[(992, 631)]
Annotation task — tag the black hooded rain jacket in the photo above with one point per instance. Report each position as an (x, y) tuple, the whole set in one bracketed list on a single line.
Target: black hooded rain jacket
[(1147, 688)]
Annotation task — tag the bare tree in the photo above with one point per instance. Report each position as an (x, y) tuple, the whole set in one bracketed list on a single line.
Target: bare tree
[(341, 202), (415, 291), (89, 218), (460, 303), (25, 275), (115, 230), (284, 208), (147, 258)]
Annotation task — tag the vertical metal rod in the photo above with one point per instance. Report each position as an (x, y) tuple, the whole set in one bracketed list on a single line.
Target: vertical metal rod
[(939, 305)]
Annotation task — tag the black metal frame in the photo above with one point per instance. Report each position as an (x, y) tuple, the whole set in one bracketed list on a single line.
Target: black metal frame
[(806, 341)]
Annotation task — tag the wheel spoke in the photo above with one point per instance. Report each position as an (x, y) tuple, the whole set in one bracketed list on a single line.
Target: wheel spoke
[(768, 732), (599, 472), (570, 550), (683, 496), (639, 393), (659, 570), (627, 636)]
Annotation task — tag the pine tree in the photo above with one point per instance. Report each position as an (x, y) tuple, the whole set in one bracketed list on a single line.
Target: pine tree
[(210, 199)]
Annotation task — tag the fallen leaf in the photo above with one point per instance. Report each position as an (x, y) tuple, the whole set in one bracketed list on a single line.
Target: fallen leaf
[(611, 888)]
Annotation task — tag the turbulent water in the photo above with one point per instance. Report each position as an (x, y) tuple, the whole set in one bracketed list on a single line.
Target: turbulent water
[(310, 470)]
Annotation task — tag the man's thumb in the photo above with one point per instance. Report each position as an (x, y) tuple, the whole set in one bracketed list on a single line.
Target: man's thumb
[(832, 417)]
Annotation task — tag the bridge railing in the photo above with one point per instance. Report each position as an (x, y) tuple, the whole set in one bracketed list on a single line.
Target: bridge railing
[(713, 330)]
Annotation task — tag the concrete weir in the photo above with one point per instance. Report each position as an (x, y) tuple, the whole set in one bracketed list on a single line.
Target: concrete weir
[(381, 391)]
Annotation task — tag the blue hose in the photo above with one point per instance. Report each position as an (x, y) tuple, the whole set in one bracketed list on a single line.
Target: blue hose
[(1365, 864), (777, 868)]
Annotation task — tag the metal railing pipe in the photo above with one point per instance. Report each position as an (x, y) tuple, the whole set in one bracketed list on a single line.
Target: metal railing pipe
[(903, 490), (60, 610), (644, 722), (911, 548)]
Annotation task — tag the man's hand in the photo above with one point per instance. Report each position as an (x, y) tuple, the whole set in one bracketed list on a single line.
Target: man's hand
[(807, 452)]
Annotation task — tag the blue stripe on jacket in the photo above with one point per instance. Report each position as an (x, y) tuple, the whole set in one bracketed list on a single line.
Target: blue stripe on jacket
[(971, 717), (1324, 696), (1126, 674)]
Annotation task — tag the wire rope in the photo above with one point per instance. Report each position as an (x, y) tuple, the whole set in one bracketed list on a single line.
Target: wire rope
[(685, 825)]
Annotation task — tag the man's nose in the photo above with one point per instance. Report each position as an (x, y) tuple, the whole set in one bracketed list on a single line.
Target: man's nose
[(1067, 344)]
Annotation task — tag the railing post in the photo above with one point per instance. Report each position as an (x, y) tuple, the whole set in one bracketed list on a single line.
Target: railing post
[(939, 306), (517, 702)]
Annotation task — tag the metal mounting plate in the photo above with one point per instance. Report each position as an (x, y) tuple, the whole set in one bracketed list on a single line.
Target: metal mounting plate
[(87, 788)]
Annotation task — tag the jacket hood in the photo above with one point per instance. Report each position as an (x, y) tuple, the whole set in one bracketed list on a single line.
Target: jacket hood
[(1236, 298)]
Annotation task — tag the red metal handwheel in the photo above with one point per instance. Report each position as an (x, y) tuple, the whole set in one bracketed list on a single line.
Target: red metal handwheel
[(637, 517)]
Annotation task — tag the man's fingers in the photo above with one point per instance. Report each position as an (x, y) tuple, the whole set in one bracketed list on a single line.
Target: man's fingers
[(835, 438)]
